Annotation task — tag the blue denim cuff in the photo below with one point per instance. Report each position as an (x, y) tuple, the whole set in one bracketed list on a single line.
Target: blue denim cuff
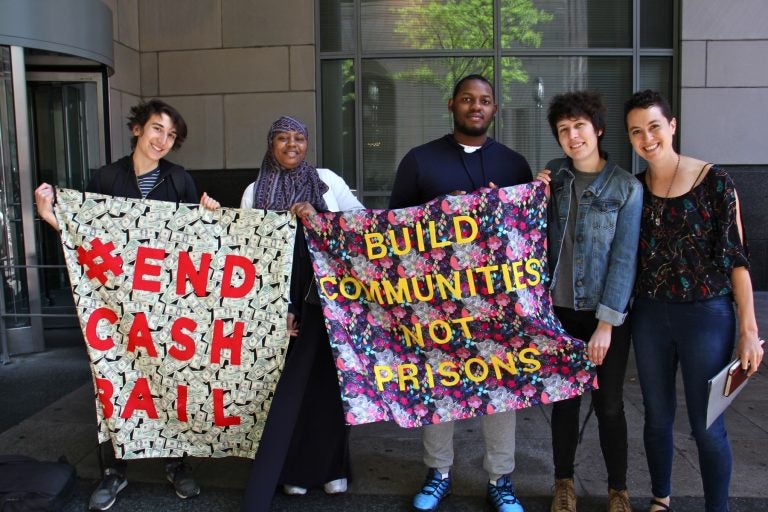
[(606, 314)]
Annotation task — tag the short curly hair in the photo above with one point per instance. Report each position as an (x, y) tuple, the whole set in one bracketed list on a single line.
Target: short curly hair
[(141, 113), (647, 99), (587, 104)]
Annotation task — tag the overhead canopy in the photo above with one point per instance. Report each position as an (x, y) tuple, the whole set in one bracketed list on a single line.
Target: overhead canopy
[(73, 27)]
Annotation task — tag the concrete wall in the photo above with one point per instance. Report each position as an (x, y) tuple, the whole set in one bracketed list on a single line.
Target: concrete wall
[(230, 66), (724, 102)]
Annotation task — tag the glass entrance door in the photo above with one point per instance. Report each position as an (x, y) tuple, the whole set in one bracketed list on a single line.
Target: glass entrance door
[(68, 143)]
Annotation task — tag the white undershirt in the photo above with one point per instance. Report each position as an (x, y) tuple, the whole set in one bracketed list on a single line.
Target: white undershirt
[(470, 149)]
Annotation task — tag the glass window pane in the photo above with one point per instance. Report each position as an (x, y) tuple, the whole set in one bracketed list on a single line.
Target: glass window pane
[(426, 25), (566, 23), (376, 202), (338, 118), (405, 103), (656, 29), (337, 25), (656, 73), (403, 97), (523, 106)]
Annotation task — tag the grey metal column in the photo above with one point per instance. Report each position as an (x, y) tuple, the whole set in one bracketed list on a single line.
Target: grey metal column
[(33, 340)]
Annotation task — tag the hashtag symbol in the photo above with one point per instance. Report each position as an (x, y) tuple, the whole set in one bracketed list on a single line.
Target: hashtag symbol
[(99, 260)]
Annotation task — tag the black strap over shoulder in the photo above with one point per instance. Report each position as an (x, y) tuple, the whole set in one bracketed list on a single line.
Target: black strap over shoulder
[(179, 185), (696, 181), (107, 179)]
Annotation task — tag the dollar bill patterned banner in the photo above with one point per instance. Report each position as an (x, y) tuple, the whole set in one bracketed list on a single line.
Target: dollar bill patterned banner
[(184, 316), (439, 312)]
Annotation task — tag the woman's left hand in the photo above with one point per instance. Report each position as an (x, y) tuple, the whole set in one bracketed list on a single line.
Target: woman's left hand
[(600, 342), (491, 186), (750, 351), (303, 210)]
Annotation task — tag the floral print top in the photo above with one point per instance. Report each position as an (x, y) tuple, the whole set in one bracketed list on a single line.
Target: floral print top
[(690, 244)]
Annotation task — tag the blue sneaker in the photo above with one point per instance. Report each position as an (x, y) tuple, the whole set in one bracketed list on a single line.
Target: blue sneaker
[(433, 491), (502, 496)]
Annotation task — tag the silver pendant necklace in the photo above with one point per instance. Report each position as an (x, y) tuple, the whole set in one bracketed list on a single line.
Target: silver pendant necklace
[(658, 210)]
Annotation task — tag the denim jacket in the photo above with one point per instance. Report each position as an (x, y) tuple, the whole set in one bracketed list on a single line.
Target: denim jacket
[(605, 239)]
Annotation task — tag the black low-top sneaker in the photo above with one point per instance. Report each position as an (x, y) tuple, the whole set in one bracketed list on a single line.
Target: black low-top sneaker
[(180, 475), (106, 493)]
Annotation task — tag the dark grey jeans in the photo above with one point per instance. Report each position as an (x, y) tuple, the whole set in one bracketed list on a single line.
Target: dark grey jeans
[(608, 402)]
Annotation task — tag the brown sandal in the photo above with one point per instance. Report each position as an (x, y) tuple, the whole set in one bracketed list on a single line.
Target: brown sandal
[(662, 505)]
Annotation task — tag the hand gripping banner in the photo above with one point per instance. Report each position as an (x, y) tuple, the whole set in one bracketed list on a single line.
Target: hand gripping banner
[(439, 312), (184, 316)]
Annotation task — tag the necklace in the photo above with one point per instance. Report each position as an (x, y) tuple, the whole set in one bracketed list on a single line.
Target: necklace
[(658, 209)]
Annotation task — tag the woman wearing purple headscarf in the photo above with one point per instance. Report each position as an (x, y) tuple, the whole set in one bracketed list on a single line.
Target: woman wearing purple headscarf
[(305, 442)]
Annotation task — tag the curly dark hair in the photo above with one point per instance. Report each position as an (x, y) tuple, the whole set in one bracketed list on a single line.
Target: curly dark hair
[(141, 113), (481, 78), (587, 104), (647, 99)]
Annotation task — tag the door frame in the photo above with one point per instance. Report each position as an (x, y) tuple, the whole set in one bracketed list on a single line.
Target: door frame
[(29, 338), (81, 76)]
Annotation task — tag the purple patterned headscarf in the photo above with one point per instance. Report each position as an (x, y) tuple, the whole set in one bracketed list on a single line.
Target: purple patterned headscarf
[(277, 188)]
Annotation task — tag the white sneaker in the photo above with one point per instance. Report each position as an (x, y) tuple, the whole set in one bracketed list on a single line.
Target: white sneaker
[(294, 490), (335, 486)]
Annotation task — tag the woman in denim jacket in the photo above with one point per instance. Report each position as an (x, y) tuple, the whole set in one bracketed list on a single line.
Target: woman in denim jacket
[(594, 225)]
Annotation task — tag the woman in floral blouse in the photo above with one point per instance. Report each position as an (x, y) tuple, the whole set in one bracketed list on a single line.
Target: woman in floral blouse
[(693, 269)]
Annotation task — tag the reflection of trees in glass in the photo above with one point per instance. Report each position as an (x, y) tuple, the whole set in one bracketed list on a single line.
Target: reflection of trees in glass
[(338, 117), (467, 25), (348, 82)]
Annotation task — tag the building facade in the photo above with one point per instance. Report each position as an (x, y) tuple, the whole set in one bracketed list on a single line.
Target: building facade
[(369, 77)]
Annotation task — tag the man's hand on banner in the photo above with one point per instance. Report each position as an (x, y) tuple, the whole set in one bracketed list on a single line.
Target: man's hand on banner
[(482, 190), (293, 325), (485, 190)]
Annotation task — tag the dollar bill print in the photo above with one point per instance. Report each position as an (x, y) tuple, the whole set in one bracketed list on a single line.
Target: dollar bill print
[(177, 372)]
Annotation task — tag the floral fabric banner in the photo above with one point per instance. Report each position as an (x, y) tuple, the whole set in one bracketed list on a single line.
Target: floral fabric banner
[(184, 316), (439, 312)]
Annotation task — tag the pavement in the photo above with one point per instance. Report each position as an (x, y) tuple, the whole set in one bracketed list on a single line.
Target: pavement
[(47, 410)]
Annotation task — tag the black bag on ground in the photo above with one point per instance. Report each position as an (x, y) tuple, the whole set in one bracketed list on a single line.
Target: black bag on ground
[(28, 485)]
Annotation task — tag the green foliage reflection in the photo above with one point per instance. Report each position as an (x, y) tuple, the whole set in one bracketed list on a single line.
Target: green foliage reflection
[(467, 25)]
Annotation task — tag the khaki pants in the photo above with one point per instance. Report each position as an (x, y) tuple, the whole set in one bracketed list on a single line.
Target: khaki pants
[(499, 436)]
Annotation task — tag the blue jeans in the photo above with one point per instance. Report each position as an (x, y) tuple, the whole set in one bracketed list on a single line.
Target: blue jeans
[(699, 336)]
